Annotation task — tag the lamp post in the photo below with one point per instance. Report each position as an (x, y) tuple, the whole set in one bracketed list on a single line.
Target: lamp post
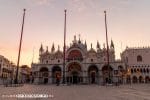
[(109, 77), (16, 78)]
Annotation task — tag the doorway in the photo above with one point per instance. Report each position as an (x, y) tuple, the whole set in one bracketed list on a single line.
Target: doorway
[(93, 75), (75, 77), (45, 80)]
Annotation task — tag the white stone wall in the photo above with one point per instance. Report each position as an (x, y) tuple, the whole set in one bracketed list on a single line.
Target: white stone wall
[(130, 56)]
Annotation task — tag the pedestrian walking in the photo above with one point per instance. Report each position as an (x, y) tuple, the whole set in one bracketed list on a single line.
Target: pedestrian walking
[(57, 79)]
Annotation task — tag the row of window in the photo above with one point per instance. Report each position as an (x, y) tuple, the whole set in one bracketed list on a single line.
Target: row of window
[(141, 66), (6, 75), (80, 59), (139, 58), (47, 61), (141, 70)]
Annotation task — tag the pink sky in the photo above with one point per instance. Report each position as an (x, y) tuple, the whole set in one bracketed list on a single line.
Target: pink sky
[(128, 23)]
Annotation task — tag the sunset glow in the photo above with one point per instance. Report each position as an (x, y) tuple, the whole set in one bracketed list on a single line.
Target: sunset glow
[(128, 24)]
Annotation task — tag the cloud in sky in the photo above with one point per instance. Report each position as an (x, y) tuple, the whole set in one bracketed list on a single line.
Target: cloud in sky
[(80, 5), (41, 2), (84, 5)]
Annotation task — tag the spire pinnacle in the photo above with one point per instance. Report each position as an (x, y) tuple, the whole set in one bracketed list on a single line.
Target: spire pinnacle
[(112, 44), (79, 39), (58, 48), (91, 46), (98, 45), (85, 44), (53, 48), (41, 48), (75, 40), (46, 48)]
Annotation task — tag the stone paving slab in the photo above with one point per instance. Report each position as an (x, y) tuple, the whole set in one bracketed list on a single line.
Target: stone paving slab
[(79, 92)]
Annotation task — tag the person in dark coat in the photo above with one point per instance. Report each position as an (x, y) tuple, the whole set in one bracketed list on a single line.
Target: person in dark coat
[(57, 79)]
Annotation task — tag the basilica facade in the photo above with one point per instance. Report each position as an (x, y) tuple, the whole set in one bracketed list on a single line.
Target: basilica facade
[(82, 66)]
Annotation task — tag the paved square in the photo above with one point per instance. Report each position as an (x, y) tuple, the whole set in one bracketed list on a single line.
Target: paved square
[(81, 92)]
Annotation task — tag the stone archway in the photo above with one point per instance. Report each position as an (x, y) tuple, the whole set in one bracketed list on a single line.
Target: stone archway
[(56, 71), (107, 72), (93, 74), (134, 79), (141, 79), (128, 80), (44, 73), (147, 79), (75, 77), (74, 73)]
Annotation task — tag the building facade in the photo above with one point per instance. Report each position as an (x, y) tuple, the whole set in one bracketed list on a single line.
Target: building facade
[(25, 72), (6, 70), (82, 66), (137, 61)]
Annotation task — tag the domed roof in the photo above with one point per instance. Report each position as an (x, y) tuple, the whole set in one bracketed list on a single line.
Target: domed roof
[(58, 54), (91, 51), (46, 53)]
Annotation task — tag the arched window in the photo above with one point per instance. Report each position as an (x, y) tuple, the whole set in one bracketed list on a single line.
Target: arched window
[(147, 70), (144, 70), (44, 72), (134, 70), (141, 70), (139, 58), (120, 68), (138, 70), (75, 55), (131, 70)]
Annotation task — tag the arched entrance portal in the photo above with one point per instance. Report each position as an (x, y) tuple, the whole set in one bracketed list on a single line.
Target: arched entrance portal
[(147, 79), (134, 79), (44, 75), (93, 74), (128, 80), (75, 77), (107, 72), (74, 73), (56, 71), (141, 79)]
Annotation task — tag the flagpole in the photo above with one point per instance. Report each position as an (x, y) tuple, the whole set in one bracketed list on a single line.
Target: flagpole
[(109, 80), (16, 78), (64, 59)]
